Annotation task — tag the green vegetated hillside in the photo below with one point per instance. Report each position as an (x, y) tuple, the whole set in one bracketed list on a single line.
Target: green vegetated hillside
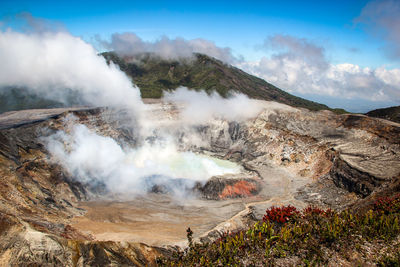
[(154, 75), (20, 98), (392, 113)]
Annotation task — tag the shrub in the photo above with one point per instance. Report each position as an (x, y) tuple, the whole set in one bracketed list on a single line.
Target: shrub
[(387, 205), (280, 214), (315, 211)]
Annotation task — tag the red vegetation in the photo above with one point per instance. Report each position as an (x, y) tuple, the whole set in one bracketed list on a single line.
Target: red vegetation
[(239, 189), (311, 211), (388, 204), (280, 214)]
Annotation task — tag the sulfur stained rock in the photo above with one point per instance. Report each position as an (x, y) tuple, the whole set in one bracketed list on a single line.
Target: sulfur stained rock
[(222, 187)]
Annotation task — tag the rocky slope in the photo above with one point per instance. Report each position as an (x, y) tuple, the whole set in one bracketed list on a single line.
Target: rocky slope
[(300, 157), (38, 199)]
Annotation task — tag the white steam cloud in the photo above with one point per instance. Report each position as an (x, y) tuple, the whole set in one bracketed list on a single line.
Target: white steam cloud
[(54, 64), (200, 108), (161, 158), (94, 159)]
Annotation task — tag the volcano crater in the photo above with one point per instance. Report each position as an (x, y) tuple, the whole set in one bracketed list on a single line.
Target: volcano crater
[(282, 156)]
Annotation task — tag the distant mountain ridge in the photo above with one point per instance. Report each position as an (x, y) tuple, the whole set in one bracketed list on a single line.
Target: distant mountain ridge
[(154, 75), (391, 113), (13, 98)]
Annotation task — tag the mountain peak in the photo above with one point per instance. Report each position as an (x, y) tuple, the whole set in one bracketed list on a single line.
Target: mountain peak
[(153, 75)]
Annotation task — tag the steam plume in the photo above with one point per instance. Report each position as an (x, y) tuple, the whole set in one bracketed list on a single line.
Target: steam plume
[(54, 64), (200, 108), (94, 159)]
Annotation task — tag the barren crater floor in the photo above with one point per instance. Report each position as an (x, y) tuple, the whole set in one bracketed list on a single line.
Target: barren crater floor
[(154, 219), (158, 219)]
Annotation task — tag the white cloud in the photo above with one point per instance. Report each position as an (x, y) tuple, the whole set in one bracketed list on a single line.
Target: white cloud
[(390, 77), (381, 18), (299, 66), (131, 44)]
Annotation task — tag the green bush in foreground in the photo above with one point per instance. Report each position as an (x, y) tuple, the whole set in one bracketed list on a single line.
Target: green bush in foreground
[(306, 235)]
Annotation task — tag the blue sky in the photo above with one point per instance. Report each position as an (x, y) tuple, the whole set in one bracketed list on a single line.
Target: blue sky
[(242, 26)]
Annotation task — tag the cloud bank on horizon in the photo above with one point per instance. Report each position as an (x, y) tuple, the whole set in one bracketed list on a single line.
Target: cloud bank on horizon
[(300, 66)]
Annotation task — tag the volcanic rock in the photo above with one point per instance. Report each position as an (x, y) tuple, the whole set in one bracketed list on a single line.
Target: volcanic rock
[(299, 156), (221, 188)]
